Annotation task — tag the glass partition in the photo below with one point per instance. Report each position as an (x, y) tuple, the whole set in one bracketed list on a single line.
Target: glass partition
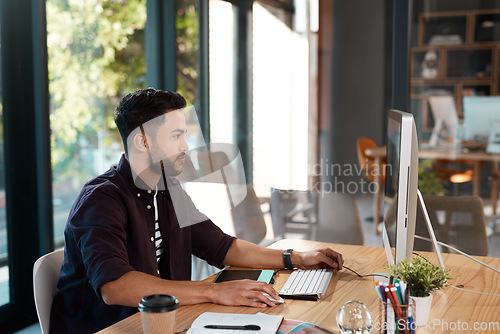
[(454, 96)]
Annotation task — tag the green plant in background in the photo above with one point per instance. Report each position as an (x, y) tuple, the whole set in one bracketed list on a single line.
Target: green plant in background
[(428, 182), (421, 276), (187, 30), (95, 56)]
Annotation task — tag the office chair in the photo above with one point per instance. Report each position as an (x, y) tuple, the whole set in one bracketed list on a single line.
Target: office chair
[(248, 219), (367, 164), (457, 221), (339, 220), (45, 277), (294, 211)]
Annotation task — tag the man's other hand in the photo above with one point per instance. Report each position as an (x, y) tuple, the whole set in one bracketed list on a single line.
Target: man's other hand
[(318, 259)]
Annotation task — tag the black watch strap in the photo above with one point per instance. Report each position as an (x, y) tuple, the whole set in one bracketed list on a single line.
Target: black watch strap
[(287, 259)]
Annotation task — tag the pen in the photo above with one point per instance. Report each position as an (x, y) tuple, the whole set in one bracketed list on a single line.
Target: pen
[(411, 325), (407, 296), (402, 286), (235, 327), (377, 283), (394, 303), (398, 292), (382, 292)]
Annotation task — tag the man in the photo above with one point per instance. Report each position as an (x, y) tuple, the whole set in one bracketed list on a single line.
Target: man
[(123, 240)]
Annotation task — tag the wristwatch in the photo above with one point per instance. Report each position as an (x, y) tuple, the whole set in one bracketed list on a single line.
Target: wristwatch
[(287, 259)]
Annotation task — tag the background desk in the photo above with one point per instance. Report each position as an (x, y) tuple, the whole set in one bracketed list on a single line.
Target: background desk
[(448, 304), (479, 157)]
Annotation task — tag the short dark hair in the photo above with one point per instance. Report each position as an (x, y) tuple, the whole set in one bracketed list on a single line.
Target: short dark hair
[(138, 107)]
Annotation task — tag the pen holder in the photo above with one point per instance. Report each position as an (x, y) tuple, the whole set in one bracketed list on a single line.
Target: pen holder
[(396, 319)]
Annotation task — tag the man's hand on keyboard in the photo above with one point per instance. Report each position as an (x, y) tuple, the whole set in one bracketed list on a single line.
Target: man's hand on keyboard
[(318, 259), (243, 292)]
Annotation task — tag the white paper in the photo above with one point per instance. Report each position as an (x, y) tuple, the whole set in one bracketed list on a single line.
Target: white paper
[(269, 324)]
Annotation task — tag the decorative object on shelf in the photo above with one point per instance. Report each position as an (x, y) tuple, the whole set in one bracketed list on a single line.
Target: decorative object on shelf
[(447, 33), (430, 65), (421, 278), (445, 40)]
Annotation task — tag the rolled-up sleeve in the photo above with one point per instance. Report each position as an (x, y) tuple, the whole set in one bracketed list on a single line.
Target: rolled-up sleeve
[(99, 230), (210, 243)]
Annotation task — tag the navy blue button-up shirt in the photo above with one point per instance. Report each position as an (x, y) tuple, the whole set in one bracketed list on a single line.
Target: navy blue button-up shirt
[(110, 232)]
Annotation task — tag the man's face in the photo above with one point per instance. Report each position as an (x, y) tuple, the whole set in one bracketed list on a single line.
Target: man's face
[(169, 145)]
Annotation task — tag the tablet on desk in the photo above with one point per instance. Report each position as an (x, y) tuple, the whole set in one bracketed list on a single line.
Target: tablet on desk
[(257, 275)]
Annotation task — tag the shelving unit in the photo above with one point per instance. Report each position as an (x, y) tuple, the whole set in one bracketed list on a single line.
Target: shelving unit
[(457, 53)]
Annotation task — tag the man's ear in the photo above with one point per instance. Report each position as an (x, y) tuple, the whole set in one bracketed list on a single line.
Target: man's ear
[(140, 143)]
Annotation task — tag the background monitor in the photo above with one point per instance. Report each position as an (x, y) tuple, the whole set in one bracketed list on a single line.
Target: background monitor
[(480, 113), (401, 185), (445, 119)]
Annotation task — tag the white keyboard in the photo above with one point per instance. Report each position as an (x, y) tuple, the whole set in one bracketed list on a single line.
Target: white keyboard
[(307, 284)]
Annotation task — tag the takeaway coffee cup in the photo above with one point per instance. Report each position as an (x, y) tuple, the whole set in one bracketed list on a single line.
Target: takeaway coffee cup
[(158, 314)]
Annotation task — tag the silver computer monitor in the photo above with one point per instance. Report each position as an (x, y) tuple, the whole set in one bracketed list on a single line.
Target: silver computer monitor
[(480, 114), (445, 119), (401, 184)]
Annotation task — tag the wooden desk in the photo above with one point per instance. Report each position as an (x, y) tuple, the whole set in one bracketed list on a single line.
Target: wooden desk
[(449, 304), (479, 157)]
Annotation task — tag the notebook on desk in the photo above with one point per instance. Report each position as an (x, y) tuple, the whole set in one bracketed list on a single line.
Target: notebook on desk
[(224, 323)]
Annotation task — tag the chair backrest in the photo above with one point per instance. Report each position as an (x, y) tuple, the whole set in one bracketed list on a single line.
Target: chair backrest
[(45, 277), (339, 220), (366, 163), (457, 220), (248, 218), (294, 208)]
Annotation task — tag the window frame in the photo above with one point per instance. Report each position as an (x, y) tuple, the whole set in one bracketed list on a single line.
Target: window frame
[(28, 183)]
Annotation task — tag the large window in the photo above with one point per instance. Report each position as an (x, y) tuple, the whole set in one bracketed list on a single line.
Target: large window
[(222, 71), (259, 89), (96, 55), (187, 46), (281, 113)]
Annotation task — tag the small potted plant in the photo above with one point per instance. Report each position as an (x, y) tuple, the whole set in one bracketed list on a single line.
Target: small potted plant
[(421, 278)]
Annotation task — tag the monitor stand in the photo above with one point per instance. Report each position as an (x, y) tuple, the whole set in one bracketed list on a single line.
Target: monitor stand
[(387, 246), (430, 229), (438, 127), (437, 140)]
